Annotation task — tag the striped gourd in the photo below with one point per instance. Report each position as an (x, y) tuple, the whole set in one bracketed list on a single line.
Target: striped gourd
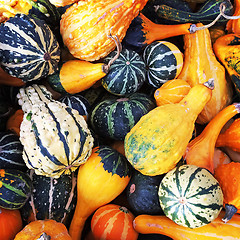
[(190, 196), (11, 151), (114, 117), (164, 61), (28, 48), (127, 73), (56, 139), (15, 188)]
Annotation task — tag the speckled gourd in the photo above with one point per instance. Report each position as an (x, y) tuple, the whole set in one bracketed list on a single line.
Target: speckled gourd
[(56, 138)]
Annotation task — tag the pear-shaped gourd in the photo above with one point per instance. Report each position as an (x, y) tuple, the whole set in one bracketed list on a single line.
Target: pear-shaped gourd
[(157, 142), (56, 138)]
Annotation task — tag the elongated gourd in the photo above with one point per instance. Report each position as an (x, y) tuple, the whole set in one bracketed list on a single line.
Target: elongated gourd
[(216, 230), (201, 64), (158, 141), (200, 151)]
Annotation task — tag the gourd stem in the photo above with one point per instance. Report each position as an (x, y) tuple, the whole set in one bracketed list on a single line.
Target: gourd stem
[(230, 210), (222, 8)]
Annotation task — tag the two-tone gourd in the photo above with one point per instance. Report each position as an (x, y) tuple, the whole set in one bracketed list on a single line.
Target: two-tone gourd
[(56, 138)]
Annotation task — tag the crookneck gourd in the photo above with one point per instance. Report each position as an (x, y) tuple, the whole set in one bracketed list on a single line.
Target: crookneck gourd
[(200, 64), (157, 142), (56, 138)]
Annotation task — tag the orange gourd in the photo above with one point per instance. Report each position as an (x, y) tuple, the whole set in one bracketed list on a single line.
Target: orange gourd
[(86, 25), (6, 79), (233, 25), (216, 230), (172, 91), (200, 151), (229, 179), (231, 137), (100, 180), (14, 121), (10, 223), (41, 229), (216, 32), (113, 222), (200, 64)]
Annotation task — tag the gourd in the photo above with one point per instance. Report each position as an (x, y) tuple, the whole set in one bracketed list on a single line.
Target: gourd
[(233, 24), (6, 79), (227, 51), (228, 178), (190, 196), (121, 220), (200, 64), (216, 32), (40, 52), (200, 151), (159, 139), (142, 194), (126, 74), (172, 91), (55, 138), (51, 199), (143, 32), (44, 229), (230, 138), (206, 14), (164, 62), (11, 151), (100, 180), (217, 229), (88, 40), (115, 116), (14, 121), (220, 158), (15, 188), (10, 223)]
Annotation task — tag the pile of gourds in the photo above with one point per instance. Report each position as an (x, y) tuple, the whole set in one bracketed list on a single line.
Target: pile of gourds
[(119, 119)]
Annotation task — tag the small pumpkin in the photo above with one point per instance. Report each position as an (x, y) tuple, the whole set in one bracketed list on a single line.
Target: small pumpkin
[(113, 221), (14, 121), (190, 196), (88, 40), (228, 178), (159, 139), (44, 229)]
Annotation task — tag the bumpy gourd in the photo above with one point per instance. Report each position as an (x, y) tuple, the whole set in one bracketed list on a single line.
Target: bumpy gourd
[(56, 138)]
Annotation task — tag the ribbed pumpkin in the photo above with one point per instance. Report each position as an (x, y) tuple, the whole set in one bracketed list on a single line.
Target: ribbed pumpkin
[(56, 139), (114, 117), (200, 64), (158, 140), (190, 196), (11, 151), (164, 62), (40, 52), (126, 75), (15, 188), (88, 39), (113, 222)]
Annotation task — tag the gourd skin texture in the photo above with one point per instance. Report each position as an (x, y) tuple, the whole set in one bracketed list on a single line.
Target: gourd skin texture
[(158, 141), (81, 22), (200, 64), (233, 25)]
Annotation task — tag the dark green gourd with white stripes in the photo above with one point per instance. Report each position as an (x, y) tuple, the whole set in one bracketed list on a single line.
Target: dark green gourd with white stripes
[(55, 137), (126, 74), (28, 48), (190, 196), (15, 188), (114, 117)]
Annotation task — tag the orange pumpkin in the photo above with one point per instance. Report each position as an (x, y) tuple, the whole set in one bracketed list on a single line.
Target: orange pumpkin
[(44, 228), (10, 223), (14, 121), (113, 222)]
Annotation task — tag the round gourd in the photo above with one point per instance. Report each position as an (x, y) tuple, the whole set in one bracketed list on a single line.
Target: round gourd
[(28, 48), (164, 61), (15, 188), (190, 196), (11, 151), (126, 75), (121, 226), (114, 117)]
